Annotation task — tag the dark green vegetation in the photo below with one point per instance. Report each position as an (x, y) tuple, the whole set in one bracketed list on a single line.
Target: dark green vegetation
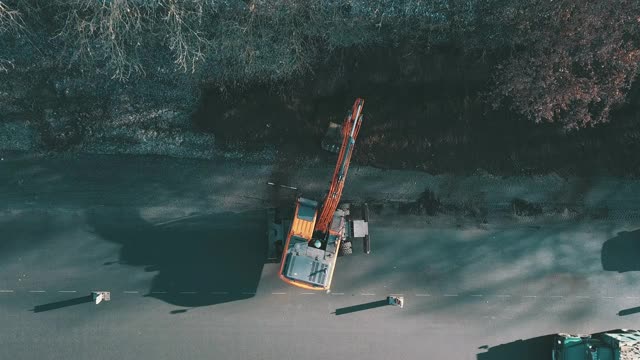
[(450, 85)]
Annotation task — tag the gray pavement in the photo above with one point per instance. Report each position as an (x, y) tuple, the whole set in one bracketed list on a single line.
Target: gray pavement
[(179, 244)]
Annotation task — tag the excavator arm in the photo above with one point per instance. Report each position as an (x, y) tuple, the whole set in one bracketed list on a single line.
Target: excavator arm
[(350, 129)]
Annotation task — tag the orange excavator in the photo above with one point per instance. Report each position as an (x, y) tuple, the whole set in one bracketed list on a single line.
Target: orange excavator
[(316, 235)]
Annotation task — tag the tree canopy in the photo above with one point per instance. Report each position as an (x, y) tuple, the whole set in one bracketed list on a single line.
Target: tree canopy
[(572, 61), (562, 61)]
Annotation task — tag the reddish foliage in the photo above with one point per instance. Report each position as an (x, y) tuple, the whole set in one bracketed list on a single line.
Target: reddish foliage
[(573, 61)]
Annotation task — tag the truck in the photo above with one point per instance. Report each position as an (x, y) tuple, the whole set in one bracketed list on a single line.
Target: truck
[(620, 344), (308, 237)]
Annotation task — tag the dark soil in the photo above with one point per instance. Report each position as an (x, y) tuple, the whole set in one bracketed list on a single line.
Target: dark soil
[(427, 204), (423, 111), (525, 208)]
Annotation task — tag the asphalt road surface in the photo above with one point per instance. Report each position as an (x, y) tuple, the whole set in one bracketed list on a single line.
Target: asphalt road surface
[(180, 246)]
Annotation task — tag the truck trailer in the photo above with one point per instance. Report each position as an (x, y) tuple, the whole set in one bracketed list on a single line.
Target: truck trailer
[(621, 344)]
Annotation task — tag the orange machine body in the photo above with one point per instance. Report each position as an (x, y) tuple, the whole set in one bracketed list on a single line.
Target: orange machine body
[(311, 248)]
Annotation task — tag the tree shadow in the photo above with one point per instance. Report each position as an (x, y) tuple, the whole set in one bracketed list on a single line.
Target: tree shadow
[(530, 349), (199, 260), (63, 303), (361, 307), (620, 253), (629, 311), (22, 233)]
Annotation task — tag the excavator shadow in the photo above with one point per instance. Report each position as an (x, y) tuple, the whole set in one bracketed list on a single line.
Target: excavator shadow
[(199, 260)]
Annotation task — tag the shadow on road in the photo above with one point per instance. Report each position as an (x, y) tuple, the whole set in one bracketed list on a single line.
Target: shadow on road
[(629, 311), (200, 260), (530, 349), (63, 303), (361, 307), (621, 252)]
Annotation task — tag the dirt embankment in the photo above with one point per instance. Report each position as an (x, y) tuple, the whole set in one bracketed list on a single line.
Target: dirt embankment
[(424, 110)]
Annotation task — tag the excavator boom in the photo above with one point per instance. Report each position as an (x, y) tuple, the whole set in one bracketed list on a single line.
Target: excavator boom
[(350, 130)]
